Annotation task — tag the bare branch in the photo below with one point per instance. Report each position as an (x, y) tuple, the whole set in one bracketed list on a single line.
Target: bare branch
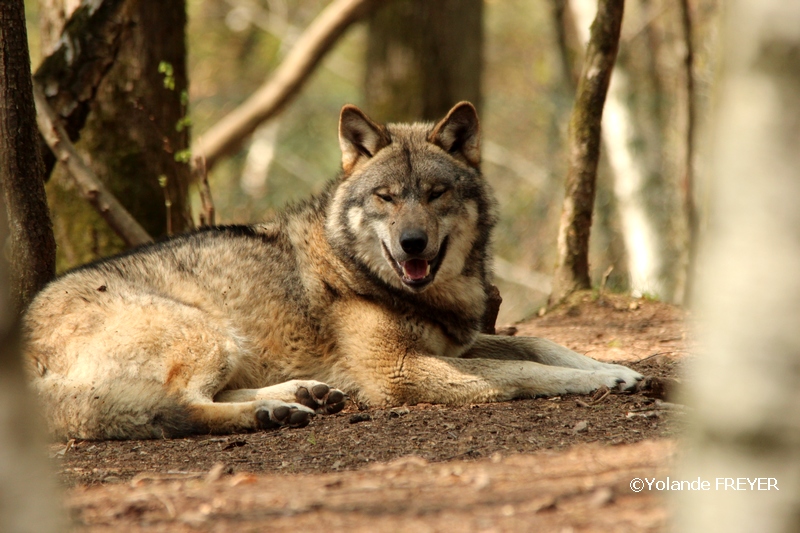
[(89, 185), (572, 271), (71, 74), (200, 176), (225, 136)]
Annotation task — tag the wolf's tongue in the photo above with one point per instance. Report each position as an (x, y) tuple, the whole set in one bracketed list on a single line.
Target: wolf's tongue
[(415, 269)]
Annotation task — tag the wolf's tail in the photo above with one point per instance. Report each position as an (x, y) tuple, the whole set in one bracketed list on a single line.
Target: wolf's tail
[(121, 409)]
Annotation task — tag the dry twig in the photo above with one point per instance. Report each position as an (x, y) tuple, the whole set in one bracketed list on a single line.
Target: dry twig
[(200, 176)]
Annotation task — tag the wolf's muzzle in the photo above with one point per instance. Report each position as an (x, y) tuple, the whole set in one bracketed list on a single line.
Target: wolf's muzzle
[(413, 241), (416, 272)]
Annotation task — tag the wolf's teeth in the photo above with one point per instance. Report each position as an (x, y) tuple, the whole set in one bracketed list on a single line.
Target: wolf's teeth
[(428, 270)]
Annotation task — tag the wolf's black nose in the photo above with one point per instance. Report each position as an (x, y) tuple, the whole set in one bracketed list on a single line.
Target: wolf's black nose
[(413, 241)]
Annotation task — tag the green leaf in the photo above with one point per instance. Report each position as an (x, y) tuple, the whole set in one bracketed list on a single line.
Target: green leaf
[(183, 156), (183, 123)]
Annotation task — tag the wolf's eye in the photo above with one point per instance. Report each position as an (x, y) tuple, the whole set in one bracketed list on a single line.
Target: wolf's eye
[(436, 193), (385, 197)]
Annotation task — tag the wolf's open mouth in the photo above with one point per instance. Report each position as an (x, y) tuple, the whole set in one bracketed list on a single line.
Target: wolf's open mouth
[(417, 272)]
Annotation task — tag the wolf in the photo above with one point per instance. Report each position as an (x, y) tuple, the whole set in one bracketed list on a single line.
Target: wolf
[(373, 289)]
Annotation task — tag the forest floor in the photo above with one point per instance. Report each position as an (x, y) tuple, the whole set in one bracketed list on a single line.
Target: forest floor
[(548, 464)]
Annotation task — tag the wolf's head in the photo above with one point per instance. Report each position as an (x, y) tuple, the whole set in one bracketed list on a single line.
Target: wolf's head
[(411, 206)]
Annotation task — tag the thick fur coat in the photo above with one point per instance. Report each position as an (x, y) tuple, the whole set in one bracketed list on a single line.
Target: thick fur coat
[(375, 289)]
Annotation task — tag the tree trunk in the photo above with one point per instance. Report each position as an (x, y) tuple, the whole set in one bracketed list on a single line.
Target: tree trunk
[(744, 389), (76, 62), (688, 181), (572, 270), (422, 58), (28, 499), (33, 248), (134, 137), (647, 158)]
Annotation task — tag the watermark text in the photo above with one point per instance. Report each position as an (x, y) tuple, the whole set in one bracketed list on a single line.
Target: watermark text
[(721, 483)]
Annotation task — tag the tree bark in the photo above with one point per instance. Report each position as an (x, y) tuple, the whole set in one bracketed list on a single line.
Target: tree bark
[(32, 247), (422, 58), (572, 270), (81, 56), (744, 387), (135, 137)]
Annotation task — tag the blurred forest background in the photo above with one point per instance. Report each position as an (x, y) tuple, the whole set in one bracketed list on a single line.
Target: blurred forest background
[(528, 57)]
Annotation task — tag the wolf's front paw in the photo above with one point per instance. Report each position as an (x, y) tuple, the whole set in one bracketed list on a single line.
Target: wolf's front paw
[(626, 377), (321, 398), (272, 413)]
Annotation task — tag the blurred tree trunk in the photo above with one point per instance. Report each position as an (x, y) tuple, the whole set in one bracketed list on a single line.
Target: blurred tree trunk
[(131, 138), (744, 389), (572, 270), (28, 499), (32, 248), (422, 58), (692, 216)]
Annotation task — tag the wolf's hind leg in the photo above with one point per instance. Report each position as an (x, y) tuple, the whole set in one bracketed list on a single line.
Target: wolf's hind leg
[(315, 395)]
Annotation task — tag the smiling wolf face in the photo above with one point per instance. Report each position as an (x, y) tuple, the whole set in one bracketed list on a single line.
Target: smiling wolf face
[(415, 207)]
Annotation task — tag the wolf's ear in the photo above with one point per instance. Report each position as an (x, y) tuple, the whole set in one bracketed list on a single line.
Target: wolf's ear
[(459, 134), (359, 137)]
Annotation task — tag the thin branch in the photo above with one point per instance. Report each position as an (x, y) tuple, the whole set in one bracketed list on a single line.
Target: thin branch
[(90, 187), (225, 136), (200, 176)]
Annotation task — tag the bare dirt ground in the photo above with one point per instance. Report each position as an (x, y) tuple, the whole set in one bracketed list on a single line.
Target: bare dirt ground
[(560, 464)]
